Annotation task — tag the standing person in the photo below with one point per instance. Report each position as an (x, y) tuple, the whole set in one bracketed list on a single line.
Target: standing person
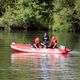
[(45, 40), (53, 43), (36, 42)]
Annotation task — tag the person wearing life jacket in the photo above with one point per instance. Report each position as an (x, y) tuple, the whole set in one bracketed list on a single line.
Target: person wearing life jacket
[(53, 42), (45, 40), (36, 43)]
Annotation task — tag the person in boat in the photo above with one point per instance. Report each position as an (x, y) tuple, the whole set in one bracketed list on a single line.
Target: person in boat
[(45, 40), (36, 43), (53, 43)]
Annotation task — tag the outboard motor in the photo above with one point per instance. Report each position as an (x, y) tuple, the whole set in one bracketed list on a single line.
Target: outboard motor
[(67, 50), (62, 47)]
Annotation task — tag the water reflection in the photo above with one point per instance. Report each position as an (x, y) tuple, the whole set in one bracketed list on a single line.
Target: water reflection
[(43, 66), (21, 57)]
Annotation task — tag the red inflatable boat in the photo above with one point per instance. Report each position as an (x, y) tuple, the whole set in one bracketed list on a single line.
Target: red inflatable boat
[(27, 48)]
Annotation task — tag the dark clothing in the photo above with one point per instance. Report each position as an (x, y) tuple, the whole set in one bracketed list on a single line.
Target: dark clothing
[(52, 46), (34, 46), (45, 40)]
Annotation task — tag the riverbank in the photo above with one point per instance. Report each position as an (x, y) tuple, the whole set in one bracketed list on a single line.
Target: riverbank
[(38, 29)]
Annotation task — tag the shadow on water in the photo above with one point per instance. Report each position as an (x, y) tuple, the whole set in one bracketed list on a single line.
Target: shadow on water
[(44, 66)]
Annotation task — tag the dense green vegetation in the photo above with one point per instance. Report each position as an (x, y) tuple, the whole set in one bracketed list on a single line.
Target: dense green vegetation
[(40, 14)]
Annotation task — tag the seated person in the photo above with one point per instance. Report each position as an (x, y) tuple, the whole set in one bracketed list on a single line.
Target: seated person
[(53, 43), (45, 40), (36, 43)]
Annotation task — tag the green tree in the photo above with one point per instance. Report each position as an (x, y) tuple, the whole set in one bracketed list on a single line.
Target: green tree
[(48, 14), (28, 12), (62, 14), (76, 16)]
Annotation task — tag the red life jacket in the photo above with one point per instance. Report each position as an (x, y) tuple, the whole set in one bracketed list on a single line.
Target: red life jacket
[(53, 41), (37, 41)]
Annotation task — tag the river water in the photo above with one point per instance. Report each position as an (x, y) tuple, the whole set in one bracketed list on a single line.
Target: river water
[(23, 66)]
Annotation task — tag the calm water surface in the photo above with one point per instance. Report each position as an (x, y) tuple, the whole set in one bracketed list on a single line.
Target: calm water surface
[(22, 66)]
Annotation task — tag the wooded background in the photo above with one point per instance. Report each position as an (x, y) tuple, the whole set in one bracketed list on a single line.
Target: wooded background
[(60, 15)]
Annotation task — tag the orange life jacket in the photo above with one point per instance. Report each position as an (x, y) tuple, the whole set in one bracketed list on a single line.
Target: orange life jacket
[(37, 41), (53, 41)]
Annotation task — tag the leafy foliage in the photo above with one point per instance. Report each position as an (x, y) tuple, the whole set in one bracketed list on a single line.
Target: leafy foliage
[(50, 14)]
